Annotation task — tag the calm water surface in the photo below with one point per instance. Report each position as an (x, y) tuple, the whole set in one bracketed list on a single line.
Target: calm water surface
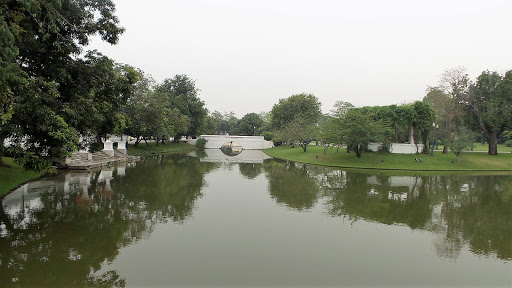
[(217, 221)]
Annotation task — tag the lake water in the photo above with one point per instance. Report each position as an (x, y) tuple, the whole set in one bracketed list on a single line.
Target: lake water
[(252, 221)]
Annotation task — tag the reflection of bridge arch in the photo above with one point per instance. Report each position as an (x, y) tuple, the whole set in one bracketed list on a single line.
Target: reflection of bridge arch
[(231, 148)]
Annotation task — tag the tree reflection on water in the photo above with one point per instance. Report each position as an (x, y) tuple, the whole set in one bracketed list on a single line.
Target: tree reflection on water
[(63, 239), (61, 235), (460, 209)]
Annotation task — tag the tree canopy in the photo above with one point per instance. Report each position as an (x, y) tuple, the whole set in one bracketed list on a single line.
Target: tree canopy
[(305, 106), (359, 127), (182, 94), (52, 95), (488, 106), (295, 119)]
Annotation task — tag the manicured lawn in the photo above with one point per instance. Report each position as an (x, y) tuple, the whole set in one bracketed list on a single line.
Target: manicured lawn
[(485, 147), (382, 160), (13, 176), (168, 148)]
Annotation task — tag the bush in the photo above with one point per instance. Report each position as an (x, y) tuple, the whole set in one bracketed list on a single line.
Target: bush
[(201, 142), (267, 135), (508, 143), (95, 147)]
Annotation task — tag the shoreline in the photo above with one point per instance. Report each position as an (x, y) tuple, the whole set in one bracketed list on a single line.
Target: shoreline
[(281, 153)]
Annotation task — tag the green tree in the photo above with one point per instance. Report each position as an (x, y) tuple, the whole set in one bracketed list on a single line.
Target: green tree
[(250, 124), (460, 142), (304, 106), (489, 106), (455, 83), (10, 72), (209, 126), (295, 119), (95, 94), (422, 120), (300, 132), (341, 108), (332, 129), (440, 103), (183, 95), (46, 38), (359, 128), (149, 118)]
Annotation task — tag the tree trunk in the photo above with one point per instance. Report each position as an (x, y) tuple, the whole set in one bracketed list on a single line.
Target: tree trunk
[(492, 138), (6, 220), (2, 164), (445, 149), (304, 147), (157, 141), (426, 149)]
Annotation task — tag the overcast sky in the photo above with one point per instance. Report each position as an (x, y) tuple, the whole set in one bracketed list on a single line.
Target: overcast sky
[(246, 55)]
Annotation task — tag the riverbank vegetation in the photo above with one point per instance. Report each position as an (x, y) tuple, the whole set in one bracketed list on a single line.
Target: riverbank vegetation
[(152, 148), (13, 175), (476, 161), (68, 98)]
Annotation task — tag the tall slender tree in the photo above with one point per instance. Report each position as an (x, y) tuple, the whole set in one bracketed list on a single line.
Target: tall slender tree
[(455, 83)]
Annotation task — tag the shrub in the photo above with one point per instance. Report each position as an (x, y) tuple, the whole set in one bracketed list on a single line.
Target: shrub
[(267, 135), (508, 143), (201, 142), (95, 147)]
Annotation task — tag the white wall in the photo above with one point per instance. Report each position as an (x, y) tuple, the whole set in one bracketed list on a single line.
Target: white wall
[(398, 148)]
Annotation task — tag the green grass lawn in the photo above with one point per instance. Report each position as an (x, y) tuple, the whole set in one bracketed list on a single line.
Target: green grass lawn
[(438, 162), (485, 147), (168, 148), (13, 176)]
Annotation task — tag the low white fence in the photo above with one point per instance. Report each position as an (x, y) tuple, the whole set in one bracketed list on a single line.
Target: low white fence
[(398, 148)]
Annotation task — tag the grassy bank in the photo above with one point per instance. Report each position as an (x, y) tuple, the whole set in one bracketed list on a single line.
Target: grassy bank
[(13, 176), (485, 147), (168, 148), (475, 161)]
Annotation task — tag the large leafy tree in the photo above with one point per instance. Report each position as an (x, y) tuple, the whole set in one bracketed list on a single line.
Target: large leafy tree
[(147, 116), (489, 106), (295, 119), (300, 132), (331, 130), (95, 93), (360, 127), (183, 95), (304, 106), (43, 40), (250, 124)]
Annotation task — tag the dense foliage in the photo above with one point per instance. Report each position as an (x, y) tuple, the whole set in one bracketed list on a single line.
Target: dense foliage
[(488, 106), (295, 119), (50, 95)]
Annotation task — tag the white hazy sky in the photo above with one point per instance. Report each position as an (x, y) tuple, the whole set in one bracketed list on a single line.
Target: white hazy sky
[(246, 55)]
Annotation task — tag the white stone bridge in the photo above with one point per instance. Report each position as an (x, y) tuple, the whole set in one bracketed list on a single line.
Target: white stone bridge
[(247, 142)]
